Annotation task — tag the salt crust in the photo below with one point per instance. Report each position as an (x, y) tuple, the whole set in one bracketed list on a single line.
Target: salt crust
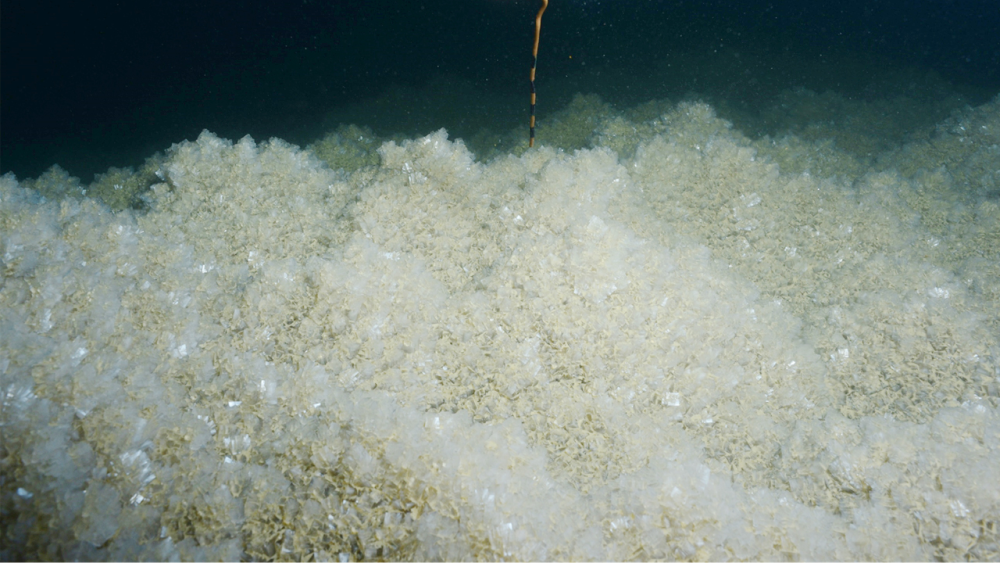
[(684, 355)]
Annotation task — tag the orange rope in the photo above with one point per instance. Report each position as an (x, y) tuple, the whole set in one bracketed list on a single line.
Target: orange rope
[(534, 64)]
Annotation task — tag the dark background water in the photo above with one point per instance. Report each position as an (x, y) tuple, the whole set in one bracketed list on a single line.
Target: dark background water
[(90, 85)]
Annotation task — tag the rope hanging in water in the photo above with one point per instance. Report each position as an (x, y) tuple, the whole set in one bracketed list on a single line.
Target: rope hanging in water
[(534, 64)]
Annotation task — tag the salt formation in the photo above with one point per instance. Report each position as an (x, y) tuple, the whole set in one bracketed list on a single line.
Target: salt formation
[(687, 353)]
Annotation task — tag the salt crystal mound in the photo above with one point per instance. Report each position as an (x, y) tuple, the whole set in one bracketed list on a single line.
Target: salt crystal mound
[(687, 354)]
